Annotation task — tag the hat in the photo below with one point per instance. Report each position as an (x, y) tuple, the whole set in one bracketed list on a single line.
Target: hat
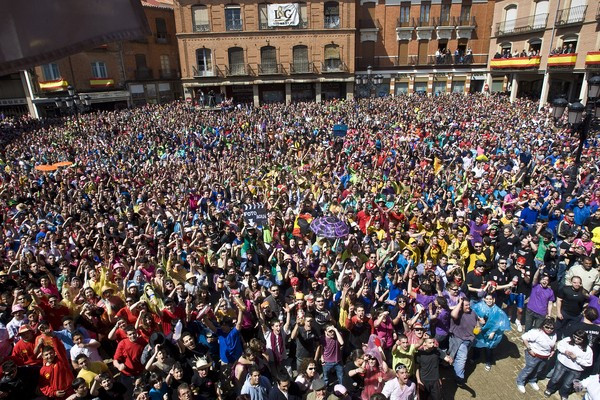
[(522, 260), (413, 226), (21, 207), (25, 328), (319, 384), (294, 281), (17, 308), (209, 334), (189, 276), (202, 363), (131, 284), (417, 325), (106, 288), (339, 390), (118, 265), (299, 296)]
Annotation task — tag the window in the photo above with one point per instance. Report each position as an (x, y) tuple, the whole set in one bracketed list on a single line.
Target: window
[(204, 63), (236, 61), (51, 72), (569, 44), (332, 14), (332, 58), (263, 16), (300, 58), (424, 16), (99, 69), (465, 14), (404, 13), (541, 14), (510, 15), (233, 18), (140, 61), (161, 30), (200, 19), (165, 66), (303, 16), (535, 45), (268, 60), (505, 49), (445, 14)]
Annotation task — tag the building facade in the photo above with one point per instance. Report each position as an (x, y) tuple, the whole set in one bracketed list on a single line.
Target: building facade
[(261, 53), (544, 49), (433, 47), (117, 74)]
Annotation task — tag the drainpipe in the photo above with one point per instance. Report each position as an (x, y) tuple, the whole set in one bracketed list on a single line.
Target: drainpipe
[(546, 82)]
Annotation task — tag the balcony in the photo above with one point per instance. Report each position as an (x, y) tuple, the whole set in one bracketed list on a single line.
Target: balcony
[(404, 29), (270, 69), (522, 25), (101, 83), (142, 74), (168, 73), (562, 60), (235, 25), (206, 73), (303, 68), (162, 38), (418, 22), (516, 63), (238, 70), (465, 20), (331, 22), (333, 65), (54, 85), (592, 60), (202, 28), (451, 60), (404, 23), (444, 21), (571, 16), (444, 27)]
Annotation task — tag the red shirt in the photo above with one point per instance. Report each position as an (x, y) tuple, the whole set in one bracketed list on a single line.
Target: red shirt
[(54, 315), (54, 377), (130, 354), (126, 313), (23, 354), (168, 317)]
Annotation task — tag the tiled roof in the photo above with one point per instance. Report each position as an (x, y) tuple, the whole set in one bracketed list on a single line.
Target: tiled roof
[(168, 4)]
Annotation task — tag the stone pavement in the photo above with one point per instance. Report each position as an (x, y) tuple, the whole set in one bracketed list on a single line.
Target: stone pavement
[(499, 382)]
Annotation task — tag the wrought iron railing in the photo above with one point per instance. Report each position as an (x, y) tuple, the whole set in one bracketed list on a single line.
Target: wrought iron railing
[(568, 16), (522, 25)]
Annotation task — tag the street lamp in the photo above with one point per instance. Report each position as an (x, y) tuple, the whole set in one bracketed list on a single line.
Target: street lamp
[(368, 82), (578, 122), (73, 103)]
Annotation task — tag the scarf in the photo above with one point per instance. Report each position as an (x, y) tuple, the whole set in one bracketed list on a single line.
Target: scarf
[(277, 347)]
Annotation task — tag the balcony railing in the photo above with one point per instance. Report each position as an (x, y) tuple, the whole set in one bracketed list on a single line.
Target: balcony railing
[(202, 28), (238, 70), (562, 60), (516, 63), (453, 60), (270, 69), (168, 73), (334, 65), (162, 38), (369, 24), (203, 73), (443, 21), (303, 68), (331, 22), (264, 26), (568, 16), (143, 74), (406, 23), (235, 25), (423, 22), (464, 20), (522, 25)]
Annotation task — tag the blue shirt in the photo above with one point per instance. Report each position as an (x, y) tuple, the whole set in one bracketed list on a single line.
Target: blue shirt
[(230, 345)]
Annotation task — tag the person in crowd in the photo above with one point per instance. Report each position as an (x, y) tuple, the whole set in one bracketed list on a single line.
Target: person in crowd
[(540, 346)]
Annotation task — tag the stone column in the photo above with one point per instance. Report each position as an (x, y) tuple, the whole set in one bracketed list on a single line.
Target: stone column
[(545, 88), (392, 86), (514, 87), (430, 85), (255, 95), (468, 84), (288, 93), (584, 88), (349, 90), (449, 84), (28, 89), (318, 92)]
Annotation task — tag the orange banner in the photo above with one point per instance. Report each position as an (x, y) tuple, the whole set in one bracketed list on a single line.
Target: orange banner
[(101, 82), (592, 58), (562, 60), (59, 84), (515, 63)]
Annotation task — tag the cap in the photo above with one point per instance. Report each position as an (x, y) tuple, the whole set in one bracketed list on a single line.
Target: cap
[(413, 226), (417, 325), (339, 390), (522, 260), (319, 384), (25, 328), (17, 308), (106, 288), (202, 363), (294, 281)]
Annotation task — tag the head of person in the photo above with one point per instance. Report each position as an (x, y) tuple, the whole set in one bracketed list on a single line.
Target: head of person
[(284, 381), (184, 392), (587, 263), (48, 354), (359, 309), (319, 388), (590, 313), (576, 283), (580, 338), (402, 373), (357, 356), (80, 387), (254, 375), (82, 361), (131, 333), (308, 368), (177, 371), (9, 369), (489, 299), (106, 381)]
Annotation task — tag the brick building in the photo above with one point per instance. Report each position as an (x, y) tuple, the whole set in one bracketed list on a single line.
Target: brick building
[(544, 49), (234, 50), (117, 74), (423, 46)]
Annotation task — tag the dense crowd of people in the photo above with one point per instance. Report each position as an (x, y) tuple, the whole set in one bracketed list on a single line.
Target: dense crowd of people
[(129, 270)]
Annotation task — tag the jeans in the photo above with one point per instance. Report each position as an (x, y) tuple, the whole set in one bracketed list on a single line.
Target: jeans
[(562, 379), (459, 350), (529, 373), (533, 320), (339, 371), (562, 324)]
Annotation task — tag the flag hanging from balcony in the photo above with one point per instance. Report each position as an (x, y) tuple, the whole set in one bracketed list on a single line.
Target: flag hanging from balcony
[(55, 85), (283, 14), (101, 82)]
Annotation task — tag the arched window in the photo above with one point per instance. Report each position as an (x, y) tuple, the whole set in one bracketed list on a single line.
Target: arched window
[(204, 62), (331, 14), (569, 44), (541, 14), (535, 46), (332, 57), (300, 59), (200, 19), (510, 16), (236, 61), (268, 60), (233, 17)]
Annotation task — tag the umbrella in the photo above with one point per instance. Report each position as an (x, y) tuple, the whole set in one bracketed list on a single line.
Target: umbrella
[(63, 164), (329, 227), (46, 168)]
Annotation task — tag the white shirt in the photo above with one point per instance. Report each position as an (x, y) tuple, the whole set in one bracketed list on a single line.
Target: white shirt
[(539, 342), (583, 358), (592, 385), (393, 391), (91, 352)]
